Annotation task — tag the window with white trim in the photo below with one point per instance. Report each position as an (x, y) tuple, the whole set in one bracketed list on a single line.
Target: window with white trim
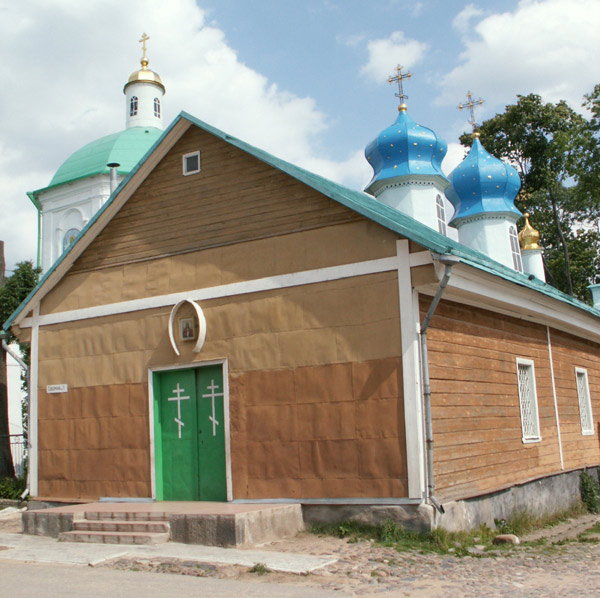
[(515, 249), (191, 163), (157, 107), (585, 404), (441, 214), (530, 421), (133, 106)]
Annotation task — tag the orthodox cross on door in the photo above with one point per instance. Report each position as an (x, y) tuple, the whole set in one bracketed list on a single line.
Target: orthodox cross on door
[(470, 104), (399, 78), (177, 391), (212, 395)]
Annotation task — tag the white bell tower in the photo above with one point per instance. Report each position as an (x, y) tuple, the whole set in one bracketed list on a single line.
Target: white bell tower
[(144, 92)]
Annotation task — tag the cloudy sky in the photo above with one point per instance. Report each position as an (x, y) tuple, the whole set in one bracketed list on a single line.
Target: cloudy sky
[(303, 79)]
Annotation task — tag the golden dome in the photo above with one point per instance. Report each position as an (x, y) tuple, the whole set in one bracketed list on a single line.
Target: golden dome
[(144, 75), (529, 237)]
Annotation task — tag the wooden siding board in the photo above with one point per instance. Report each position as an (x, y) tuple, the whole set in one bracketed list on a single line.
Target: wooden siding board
[(234, 198), (475, 401)]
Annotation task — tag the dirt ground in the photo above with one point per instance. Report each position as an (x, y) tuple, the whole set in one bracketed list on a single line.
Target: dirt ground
[(559, 565)]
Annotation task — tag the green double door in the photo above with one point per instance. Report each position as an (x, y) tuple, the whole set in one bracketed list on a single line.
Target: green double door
[(189, 430)]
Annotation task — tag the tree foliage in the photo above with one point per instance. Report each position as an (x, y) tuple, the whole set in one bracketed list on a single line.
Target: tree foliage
[(15, 290), (557, 155), (12, 293)]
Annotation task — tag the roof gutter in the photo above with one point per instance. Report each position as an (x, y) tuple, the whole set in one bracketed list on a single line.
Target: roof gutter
[(449, 261), (38, 206)]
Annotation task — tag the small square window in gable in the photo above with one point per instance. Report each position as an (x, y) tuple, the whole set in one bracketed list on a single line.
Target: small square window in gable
[(191, 163)]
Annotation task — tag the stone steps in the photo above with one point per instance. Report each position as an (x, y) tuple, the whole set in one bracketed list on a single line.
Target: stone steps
[(119, 528), (102, 537), (205, 523)]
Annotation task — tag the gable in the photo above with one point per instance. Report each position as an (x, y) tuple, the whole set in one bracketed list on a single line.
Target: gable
[(133, 242), (234, 198)]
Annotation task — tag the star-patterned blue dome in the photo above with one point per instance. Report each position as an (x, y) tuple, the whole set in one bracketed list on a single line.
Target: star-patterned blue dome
[(405, 148), (482, 184)]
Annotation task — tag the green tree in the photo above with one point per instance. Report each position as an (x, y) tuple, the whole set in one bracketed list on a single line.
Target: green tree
[(552, 146), (589, 165), (14, 290)]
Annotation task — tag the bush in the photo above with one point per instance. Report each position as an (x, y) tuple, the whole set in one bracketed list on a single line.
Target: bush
[(12, 488), (590, 492)]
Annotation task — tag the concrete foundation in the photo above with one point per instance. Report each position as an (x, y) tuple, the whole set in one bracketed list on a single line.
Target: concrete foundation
[(418, 517), (236, 524), (546, 496), (210, 524), (541, 497)]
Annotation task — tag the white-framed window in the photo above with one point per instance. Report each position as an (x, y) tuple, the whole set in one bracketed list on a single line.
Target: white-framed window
[(585, 404), (515, 249), (133, 106), (530, 421), (441, 214), (157, 107), (191, 163)]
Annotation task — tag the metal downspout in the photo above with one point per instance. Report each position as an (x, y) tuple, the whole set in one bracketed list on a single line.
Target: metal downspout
[(113, 181), (448, 261), (38, 207), (26, 368)]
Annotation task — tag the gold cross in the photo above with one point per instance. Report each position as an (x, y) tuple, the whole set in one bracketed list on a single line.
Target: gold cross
[(470, 104), (398, 79), (143, 41)]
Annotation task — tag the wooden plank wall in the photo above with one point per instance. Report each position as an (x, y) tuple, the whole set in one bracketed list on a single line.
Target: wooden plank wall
[(475, 401), (568, 353), (234, 198)]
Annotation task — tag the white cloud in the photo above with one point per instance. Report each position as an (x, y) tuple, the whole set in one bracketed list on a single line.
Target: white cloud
[(386, 53), (417, 9), (63, 64), (350, 40), (549, 47), (455, 155), (354, 172), (463, 19)]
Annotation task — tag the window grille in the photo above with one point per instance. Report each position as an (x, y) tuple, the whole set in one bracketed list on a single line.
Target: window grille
[(191, 163), (515, 249), (133, 106), (441, 214), (157, 107), (585, 405), (530, 422)]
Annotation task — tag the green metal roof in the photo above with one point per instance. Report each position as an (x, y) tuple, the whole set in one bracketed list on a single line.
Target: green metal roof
[(358, 201), (125, 148)]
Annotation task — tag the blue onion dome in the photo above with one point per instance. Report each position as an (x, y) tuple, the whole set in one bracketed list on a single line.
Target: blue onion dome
[(482, 184), (405, 148)]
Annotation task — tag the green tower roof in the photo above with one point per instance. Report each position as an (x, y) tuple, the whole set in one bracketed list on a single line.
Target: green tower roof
[(126, 148)]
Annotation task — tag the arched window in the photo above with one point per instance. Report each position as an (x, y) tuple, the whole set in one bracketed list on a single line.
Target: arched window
[(441, 214), (515, 249), (133, 106), (157, 107)]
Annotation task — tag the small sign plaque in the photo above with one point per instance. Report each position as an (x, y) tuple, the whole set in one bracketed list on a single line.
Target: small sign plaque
[(55, 388)]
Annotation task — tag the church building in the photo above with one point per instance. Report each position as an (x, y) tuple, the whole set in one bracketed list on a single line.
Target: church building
[(87, 178), (226, 326)]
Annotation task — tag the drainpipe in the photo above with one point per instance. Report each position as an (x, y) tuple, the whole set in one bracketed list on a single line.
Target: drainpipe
[(113, 176), (38, 207), (448, 261), (26, 369)]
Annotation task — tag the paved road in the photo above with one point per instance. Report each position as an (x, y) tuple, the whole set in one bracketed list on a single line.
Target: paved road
[(37, 580)]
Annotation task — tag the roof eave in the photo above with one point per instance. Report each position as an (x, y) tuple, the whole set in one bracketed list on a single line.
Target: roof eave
[(357, 201)]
